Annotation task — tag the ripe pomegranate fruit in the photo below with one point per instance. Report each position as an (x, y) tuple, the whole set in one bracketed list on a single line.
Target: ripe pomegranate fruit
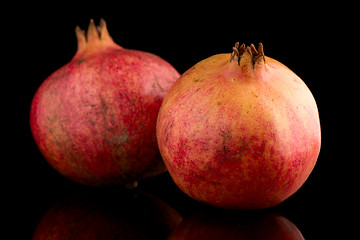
[(94, 119), (239, 131)]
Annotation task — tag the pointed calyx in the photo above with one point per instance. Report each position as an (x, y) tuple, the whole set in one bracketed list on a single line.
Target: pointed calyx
[(244, 54), (96, 37)]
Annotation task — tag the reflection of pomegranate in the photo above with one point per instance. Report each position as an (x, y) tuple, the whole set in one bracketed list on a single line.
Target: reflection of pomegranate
[(94, 119), (239, 130), (104, 215), (235, 226)]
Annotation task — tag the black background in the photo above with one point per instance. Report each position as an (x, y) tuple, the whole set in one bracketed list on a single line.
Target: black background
[(40, 39)]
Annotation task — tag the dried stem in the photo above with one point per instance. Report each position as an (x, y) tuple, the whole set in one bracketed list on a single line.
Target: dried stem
[(238, 51)]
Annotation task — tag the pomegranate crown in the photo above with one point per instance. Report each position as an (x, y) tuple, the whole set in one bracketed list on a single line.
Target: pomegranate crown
[(239, 51), (96, 38)]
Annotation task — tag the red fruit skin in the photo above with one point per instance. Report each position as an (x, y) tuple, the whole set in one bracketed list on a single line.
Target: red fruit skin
[(239, 136), (94, 118)]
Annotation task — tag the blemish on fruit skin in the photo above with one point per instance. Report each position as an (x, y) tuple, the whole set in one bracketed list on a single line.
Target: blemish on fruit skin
[(120, 140), (80, 61)]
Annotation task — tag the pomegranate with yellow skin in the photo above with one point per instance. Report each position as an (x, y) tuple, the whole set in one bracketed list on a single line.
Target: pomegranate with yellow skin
[(239, 130)]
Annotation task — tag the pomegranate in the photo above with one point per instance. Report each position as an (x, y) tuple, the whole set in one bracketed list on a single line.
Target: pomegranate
[(239, 131), (94, 119)]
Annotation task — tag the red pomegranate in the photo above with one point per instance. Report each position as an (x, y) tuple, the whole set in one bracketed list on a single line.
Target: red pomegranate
[(239, 131), (94, 119)]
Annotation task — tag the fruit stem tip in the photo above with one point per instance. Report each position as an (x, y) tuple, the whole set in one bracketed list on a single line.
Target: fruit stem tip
[(239, 50), (94, 33)]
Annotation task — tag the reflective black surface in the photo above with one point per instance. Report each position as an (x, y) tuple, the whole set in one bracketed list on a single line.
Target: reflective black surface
[(108, 214), (312, 212), (44, 40)]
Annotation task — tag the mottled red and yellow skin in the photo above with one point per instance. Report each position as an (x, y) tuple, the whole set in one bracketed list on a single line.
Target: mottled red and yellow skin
[(94, 119), (239, 135)]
